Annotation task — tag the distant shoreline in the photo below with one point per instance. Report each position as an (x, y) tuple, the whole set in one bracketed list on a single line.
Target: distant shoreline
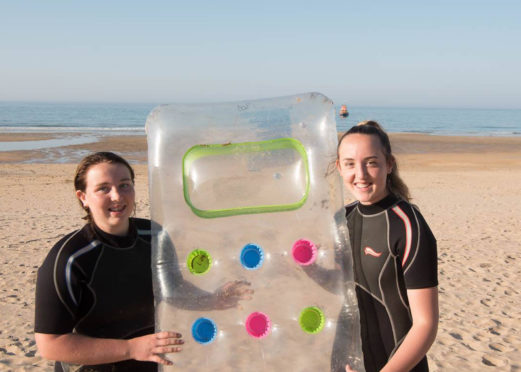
[(134, 147), (130, 118)]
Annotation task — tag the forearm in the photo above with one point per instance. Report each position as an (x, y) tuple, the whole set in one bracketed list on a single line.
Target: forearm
[(424, 310), (227, 296), (80, 349), (189, 297), (413, 348), (326, 278)]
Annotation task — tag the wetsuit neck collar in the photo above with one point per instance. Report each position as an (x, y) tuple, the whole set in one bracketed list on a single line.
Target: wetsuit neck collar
[(379, 206), (116, 240)]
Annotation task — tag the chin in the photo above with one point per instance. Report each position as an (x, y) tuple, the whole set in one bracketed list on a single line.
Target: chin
[(364, 198)]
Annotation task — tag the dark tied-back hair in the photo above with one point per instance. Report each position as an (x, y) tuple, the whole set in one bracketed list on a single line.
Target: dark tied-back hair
[(395, 184), (80, 177)]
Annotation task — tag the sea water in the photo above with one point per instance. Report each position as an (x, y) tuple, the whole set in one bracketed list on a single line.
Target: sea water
[(129, 118), (79, 123), (438, 121), (74, 117)]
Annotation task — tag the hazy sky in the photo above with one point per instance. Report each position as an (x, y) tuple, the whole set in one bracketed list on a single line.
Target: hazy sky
[(453, 53)]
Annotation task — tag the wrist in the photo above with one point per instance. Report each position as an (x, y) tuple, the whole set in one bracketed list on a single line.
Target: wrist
[(128, 349)]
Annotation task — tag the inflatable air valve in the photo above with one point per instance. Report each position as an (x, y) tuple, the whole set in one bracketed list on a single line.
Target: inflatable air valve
[(312, 320), (304, 252), (204, 330), (258, 325), (252, 256), (199, 262)]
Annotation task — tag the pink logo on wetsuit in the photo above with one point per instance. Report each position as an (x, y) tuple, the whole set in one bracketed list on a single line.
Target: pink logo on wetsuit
[(371, 252)]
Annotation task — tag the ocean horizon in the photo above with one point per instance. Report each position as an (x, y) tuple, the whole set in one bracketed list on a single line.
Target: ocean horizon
[(129, 118)]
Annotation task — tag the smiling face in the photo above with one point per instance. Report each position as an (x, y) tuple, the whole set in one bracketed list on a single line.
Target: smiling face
[(364, 167), (109, 195)]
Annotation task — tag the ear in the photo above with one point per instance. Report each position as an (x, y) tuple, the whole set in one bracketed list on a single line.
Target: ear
[(337, 165), (390, 165), (81, 196)]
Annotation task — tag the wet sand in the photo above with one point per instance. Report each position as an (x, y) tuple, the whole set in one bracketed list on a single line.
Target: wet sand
[(468, 189)]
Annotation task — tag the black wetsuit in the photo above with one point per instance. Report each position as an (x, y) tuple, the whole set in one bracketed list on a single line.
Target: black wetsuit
[(98, 285), (393, 250)]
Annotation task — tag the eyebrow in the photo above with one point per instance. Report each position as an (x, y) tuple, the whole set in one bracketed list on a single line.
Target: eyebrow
[(106, 183), (366, 158)]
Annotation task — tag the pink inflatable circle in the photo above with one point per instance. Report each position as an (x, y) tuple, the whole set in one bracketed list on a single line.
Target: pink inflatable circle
[(304, 252), (258, 324)]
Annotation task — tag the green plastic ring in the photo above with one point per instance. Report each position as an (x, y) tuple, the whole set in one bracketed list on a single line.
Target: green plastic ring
[(199, 262), (312, 320)]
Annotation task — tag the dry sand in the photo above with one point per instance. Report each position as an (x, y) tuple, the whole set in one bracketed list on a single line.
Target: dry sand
[(468, 189)]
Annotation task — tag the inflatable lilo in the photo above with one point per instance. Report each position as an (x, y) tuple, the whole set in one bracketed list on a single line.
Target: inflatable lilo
[(242, 192)]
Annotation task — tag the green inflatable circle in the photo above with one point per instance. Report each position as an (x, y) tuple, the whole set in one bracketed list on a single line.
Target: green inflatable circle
[(199, 261), (312, 320)]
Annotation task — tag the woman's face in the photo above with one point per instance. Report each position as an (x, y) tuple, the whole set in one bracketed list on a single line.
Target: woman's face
[(109, 195), (363, 167)]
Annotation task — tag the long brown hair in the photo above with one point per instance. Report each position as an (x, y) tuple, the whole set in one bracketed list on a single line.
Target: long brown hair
[(80, 182), (395, 184)]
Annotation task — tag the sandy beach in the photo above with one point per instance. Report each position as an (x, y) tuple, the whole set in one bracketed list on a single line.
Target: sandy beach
[(468, 189)]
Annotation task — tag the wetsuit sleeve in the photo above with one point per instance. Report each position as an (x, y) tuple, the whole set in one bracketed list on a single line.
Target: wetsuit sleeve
[(416, 249), (54, 309)]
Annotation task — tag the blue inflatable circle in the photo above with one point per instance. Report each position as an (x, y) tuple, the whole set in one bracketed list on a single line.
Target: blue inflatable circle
[(204, 330), (252, 256)]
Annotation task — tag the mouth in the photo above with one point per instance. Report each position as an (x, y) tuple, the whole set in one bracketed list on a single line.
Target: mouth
[(117, 209), (362, 186)]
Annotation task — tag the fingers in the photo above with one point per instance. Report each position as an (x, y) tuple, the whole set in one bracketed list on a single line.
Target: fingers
[(152, 347), (159, 360), (241, 282), (165, 342), (238, 288), (229, 294), (169, 341), (166, 350), (167, 338), (227, 286), (244, 294), (236, 284), (167, 334)]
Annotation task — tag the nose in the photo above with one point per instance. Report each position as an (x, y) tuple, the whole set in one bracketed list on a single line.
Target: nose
[(360, 171), (115, 194)]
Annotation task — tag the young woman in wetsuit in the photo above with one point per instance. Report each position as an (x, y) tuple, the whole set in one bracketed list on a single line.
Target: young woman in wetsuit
[(94, 298), (394, 255)]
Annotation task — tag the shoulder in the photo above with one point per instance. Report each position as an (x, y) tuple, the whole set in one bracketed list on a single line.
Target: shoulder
[(70, 244), (67, 261), (141, 223), (351, 207), (419, 253), (408, 225), (407, 206), (143, 227), (405, 210), (77, 249)]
